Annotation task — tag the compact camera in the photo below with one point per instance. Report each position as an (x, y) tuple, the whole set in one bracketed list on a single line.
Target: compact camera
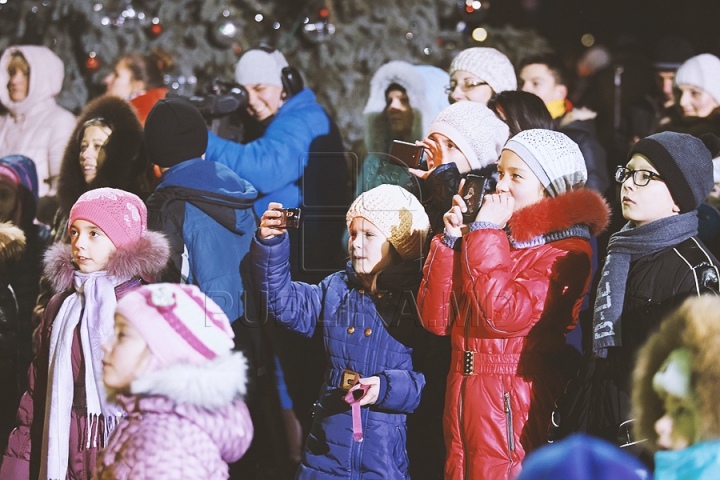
[(290, 218), (408, 153)]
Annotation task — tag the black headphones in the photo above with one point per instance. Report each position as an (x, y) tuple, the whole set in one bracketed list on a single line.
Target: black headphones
[(290, 77)]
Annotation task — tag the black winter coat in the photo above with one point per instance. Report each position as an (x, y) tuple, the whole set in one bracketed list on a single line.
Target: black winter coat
[(579, 125)]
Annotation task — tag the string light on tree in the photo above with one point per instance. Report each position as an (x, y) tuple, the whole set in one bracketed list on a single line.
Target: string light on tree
[(318, 25)]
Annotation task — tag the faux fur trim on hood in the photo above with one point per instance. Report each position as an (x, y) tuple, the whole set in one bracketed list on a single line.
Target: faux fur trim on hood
[(695, 326), (145, 258), (125, 167), (12, 243), (426, 95), (553, 214), (211, 386), (577, 114)]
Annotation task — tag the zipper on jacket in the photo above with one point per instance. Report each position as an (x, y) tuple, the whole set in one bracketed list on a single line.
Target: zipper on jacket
[(510, 430)]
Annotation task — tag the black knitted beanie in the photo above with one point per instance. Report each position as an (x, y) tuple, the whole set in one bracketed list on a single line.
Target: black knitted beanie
[(175, 131), (685, 164)]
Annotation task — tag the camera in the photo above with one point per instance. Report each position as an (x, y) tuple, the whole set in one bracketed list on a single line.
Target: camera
[(473, 192), (224, 110), (408, 153), (290, 218)]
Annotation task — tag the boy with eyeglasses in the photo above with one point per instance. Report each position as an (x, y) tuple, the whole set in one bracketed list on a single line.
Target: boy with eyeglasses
[(653, 263)]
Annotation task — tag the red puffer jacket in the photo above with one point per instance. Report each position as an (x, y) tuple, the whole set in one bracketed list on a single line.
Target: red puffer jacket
[(508, 303)]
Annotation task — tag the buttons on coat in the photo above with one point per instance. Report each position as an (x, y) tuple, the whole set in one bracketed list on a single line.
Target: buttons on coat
[(368, 332), (350, 330)]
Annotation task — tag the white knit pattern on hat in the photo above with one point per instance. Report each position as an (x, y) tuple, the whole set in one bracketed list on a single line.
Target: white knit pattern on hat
[(716, 170), (398, 215), (702, 71), (476, 131), (258, 67), (553, 157), (489, 64)]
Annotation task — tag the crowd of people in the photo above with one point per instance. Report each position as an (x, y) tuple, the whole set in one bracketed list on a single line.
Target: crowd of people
[(174, 304)]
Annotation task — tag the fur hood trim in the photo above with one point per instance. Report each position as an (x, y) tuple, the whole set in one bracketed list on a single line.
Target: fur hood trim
[(577, 114), (554, 214), (145, 258), (12, 243), (212, 385), (695, 326), (123, 160)]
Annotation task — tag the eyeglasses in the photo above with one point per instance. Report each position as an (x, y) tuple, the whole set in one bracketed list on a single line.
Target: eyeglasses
[(640, 177), (466, 86)]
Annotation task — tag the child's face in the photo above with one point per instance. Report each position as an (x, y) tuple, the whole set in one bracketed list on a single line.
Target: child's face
[(369, 249), (8, 201), (642, 205), (677, 428), (91, 248), (517, 180), (90, 159), (450, 153), (126, 355), (696, 102)]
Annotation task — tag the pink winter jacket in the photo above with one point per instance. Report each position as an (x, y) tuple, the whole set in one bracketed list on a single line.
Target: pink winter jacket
[(184, 422), (36, 127)]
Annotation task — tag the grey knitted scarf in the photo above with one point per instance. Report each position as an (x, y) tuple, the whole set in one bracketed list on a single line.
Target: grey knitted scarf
[(626, 246)]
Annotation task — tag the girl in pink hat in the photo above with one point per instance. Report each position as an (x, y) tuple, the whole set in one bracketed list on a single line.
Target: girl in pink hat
[(65, 416), (171, 365)]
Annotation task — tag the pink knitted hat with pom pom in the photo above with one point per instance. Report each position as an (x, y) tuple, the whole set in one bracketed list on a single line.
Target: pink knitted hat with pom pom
[(120, 214)]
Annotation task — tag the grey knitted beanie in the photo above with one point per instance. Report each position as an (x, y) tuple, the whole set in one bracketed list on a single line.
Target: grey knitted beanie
[(489, 64), (258, 67), (475, 129), (398, 214), (553, 157), (684, 163)]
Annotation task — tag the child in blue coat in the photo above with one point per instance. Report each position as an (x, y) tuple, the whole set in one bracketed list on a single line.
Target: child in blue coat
[(369, 320)]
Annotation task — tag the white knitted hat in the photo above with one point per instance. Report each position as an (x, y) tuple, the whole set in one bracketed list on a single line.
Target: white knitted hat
[(475, 129), (258, 67), (554, 159), (702, 71), (398, 215), (488, 64), (716, 170)]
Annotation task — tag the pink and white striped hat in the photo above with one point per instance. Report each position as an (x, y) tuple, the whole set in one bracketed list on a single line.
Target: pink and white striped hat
[(179, 323)]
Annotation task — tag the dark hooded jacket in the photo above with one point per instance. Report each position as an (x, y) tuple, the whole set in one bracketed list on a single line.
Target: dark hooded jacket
[(579, 125), (25, 274)]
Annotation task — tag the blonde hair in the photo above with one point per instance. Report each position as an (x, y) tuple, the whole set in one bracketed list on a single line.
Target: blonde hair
[(18, 62)]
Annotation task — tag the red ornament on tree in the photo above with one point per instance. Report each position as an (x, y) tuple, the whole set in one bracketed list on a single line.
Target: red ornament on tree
[(92, 63), (156, 29)]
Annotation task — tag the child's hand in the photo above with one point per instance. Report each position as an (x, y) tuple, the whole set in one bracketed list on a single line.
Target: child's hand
[(371, 396), (453, 219), (497, 209), (433, 152), (419, 173), (270, 218)]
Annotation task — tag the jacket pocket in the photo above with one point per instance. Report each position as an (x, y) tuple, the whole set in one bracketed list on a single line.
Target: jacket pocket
[(401, 455)]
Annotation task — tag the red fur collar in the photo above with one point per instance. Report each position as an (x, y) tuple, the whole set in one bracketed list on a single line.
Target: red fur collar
[(553, 214), (146, 258)]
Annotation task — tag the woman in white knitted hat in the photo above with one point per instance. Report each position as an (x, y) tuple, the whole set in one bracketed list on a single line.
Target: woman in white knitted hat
[(369, 332), (698, 80), (478, 73), (507, 288)]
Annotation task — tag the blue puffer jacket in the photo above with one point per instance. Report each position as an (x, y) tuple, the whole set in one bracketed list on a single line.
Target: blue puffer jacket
[(356, 339), (206, 208), (275, 162), (697, 462)]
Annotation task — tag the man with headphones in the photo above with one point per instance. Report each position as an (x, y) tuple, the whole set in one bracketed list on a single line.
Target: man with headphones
[(298, 160)]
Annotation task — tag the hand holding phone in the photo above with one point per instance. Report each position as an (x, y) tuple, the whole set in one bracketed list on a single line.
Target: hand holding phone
[(473, 193)]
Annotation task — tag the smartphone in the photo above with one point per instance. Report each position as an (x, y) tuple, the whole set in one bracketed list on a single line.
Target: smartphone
[(473, 192), (408, 153), (290, 218)]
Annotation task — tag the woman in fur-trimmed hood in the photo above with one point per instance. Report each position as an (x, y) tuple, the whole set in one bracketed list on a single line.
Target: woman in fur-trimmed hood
[(124, 164), (675, 391), (404, 100), (171, 365), (65, 415)]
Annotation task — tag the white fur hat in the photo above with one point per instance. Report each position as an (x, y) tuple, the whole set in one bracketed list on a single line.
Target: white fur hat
[(553, 157), (475, 129), (258, 67), (701, 71), (398, 214), (489, 64)]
